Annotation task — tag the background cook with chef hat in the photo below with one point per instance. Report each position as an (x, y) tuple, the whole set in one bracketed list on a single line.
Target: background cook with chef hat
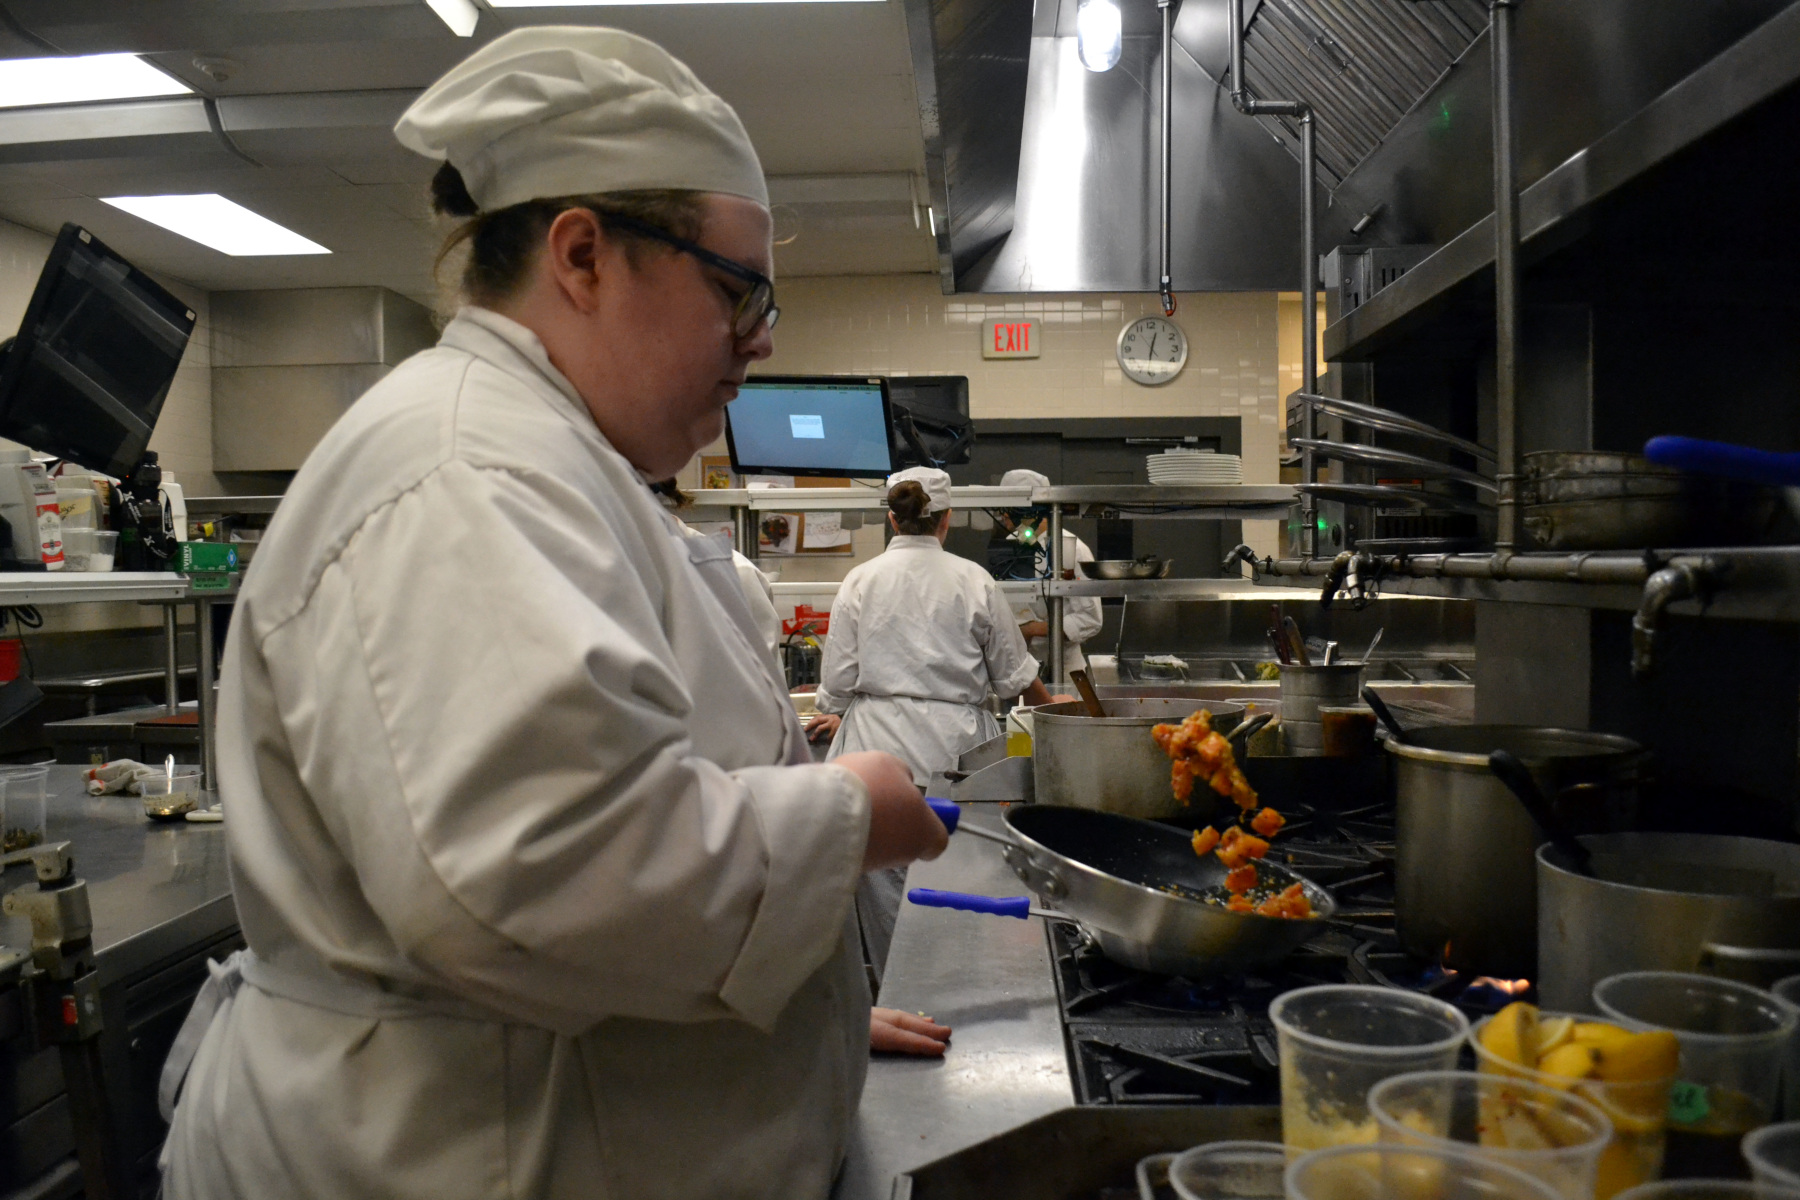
[(918, 638), (536, 905), (1082, 615)]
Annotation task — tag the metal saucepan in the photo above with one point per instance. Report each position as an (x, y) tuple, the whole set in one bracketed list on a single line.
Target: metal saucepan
[(1112, 763), (1112, 875), (1147, 567), (1665, 902)]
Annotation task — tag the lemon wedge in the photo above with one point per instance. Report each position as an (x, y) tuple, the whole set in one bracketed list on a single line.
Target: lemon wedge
[(1511, 1034), (1570, 1061), (1599, 1033), (1553, 1033), (1639, 1057)]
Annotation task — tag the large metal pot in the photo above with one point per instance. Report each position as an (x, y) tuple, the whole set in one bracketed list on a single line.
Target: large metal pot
[(1465, 887), (1604, 500), (1111, 763), (1666, 902)]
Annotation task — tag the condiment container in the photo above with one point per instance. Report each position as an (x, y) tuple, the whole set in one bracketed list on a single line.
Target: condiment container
[(1392, 1172), (26, 797), (171, 797), (1773, 1153)]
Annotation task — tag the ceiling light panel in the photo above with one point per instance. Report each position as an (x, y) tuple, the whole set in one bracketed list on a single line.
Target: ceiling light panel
[(214, 221), (27, 82)]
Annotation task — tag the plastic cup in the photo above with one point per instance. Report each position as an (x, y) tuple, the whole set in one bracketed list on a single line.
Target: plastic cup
[(1773, 1153), (171, 797), (1392, 1172), (1708, 1189), (1545, 1132), (1732, 1036), (27, 799), (1339, 1041), (1638, 1111), (89, 549), (1789, 989), (1230, 1171)]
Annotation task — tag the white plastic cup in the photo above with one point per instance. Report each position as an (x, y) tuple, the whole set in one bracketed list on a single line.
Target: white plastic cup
[(1340, 1040), (1773, 1153), (1789, 989), (1733, 1037), (1230, 1171), (1548, 1133), (1391, 1172), (27, 803), (172, 795)]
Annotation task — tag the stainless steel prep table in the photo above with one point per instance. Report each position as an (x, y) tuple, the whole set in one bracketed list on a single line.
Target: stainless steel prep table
[(161, 902), (989, 979)]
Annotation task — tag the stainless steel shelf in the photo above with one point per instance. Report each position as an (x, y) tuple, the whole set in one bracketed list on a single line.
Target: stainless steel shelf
[(1460, 273), (214, 506), (1160, 589), (846, 499), (85, 587), (1219, 503)]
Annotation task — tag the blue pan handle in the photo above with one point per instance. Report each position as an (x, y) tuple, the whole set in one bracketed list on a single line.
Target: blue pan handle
[(947, 812), (1725, 460), (999, 906)]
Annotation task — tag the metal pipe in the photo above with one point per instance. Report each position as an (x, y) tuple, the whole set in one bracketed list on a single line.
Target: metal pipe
[(1506, 276), (1055, 605), (1309, 272), (1677, 581), (1167, 293), (203, 630), (171, 661)]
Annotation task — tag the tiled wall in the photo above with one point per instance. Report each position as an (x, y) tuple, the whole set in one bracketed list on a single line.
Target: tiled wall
[(183, 437), (903, 325)]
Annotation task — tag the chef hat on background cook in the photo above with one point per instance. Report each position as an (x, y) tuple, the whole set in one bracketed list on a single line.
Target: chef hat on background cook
[(556, 110), (1020, 477), (935, 482)]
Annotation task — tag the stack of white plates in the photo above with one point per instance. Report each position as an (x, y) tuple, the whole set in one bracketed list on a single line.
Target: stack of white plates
[(1191, 468)]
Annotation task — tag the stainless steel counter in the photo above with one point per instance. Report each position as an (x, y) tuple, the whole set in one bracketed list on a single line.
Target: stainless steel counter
[(154, 889), (989, 979)]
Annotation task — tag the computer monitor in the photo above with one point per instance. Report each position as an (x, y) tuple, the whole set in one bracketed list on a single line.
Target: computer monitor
[(931, 420), (86, 377), (810, 425)]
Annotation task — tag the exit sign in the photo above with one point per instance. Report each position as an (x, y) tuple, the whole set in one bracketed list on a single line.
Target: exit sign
[(1002, 338)]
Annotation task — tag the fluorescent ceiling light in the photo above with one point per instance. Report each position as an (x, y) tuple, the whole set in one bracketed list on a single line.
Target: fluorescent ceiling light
[(212, 220), (601, 3), (30, 81), (1098, 26), (459, 15)]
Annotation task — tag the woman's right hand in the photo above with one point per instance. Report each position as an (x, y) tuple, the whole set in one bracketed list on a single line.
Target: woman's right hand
[(902, 827), (823, 727)]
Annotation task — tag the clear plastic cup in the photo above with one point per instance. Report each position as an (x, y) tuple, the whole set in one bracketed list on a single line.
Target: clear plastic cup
[(1392, 1172), (171, 797), (1709, 1189), (1548, 1133), (1230, 1171), (27, 802), (1339, 1041), (89, 549), (1732, 1036), (1638, 1110), (1789, 989), (1773, 1153)]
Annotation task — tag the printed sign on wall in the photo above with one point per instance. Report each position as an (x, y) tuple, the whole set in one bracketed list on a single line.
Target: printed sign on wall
[(1010, 337)]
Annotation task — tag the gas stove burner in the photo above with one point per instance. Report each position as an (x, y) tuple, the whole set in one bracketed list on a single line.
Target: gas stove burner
[(1369, 827), (1385, 965)]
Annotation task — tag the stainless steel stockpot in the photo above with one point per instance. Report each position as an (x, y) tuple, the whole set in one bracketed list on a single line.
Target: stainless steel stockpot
[(1111, 763), (1465, 884)]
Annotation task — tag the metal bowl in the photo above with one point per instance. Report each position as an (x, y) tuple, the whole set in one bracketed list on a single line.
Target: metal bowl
[(1148, 567)]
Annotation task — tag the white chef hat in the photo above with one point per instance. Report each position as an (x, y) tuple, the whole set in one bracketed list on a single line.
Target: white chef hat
[(935, 482), (1020, 477), (558, 110)]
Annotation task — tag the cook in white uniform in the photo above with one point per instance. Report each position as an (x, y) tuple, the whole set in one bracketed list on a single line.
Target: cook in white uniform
[(918, 638), (1081, 614), (535, 905)]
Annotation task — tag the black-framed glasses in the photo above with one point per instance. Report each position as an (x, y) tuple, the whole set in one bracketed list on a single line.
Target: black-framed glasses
[(754, 307)]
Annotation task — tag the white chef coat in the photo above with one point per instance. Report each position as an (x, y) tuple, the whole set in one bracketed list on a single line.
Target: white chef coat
[(1081, 614), (536, 909), (918, 635), (759, 595)]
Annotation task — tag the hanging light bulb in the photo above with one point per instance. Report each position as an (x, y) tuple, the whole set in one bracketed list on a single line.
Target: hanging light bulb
[(1097, 34)]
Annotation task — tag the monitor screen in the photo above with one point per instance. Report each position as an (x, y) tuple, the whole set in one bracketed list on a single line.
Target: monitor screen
[(818, 425), (87, 375)]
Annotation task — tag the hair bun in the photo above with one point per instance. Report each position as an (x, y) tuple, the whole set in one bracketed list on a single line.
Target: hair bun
[(450, 195)]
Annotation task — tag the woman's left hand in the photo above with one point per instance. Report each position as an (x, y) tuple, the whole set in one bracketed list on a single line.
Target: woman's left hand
[(823, 727), (894, 1032)]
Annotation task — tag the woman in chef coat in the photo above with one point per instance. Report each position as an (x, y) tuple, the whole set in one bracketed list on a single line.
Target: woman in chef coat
[(918, 638), (535, 904), (1082, 615)]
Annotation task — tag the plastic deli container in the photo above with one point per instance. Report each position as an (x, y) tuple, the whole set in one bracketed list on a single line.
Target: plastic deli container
[(1339, 1041), (1733, 1037), (1637, 1107), (1392, 1172), (1548, 1133)]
